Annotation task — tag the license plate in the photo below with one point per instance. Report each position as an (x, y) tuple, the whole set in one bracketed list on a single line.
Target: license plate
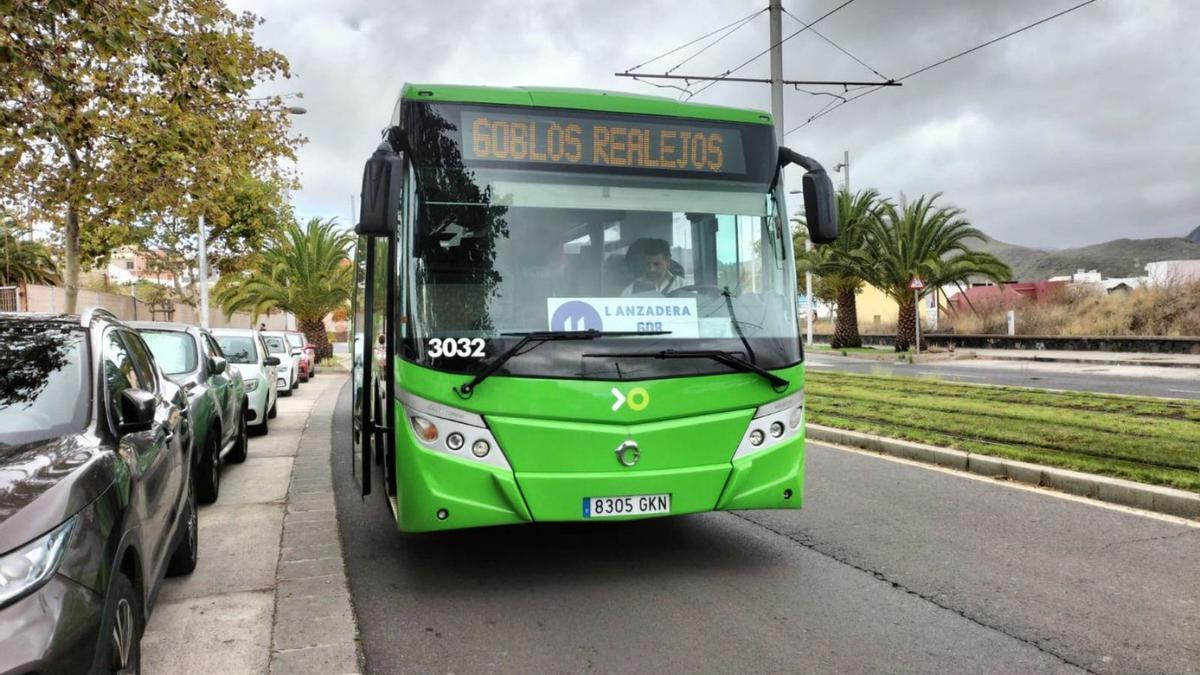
[(633, 505)]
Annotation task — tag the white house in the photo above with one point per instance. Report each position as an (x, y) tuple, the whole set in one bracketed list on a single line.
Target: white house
[(1166, 272)]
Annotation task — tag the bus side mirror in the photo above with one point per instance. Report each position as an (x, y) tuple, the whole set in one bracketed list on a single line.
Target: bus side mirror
[(820, 202), (379, 210)]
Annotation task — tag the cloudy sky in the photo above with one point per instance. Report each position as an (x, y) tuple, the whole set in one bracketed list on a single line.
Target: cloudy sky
[(1078, 131)]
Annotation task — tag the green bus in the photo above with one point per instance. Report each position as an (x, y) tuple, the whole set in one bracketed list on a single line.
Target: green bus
[(577, 305)]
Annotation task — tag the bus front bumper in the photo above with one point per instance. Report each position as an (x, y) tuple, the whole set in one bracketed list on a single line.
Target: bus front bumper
[(457, 493)]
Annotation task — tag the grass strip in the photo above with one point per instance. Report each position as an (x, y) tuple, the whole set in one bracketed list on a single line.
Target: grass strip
[(1045, 437), (1149, 440), (1168, 430), (1136, 405), (1177, 478)]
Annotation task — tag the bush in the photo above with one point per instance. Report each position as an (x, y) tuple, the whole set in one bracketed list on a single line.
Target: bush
[(1170, 310)]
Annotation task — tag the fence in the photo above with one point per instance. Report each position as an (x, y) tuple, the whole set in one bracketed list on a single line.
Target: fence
[(52, 299), (8, 299)]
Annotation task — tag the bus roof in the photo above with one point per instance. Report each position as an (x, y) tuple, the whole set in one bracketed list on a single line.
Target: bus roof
[(581, 99)]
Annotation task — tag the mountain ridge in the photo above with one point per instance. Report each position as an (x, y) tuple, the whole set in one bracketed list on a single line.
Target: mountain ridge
[(1116, 258)]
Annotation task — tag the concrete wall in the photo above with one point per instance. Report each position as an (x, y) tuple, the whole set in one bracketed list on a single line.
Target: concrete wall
[(53, 299)]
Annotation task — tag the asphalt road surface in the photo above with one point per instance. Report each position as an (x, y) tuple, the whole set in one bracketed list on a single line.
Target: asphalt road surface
[(1136, 380), (890, 567)]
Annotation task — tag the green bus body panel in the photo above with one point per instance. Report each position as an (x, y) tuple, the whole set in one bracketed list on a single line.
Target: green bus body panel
[(592, 400), (560, 438), (473, 494), (572, 447), (581, 99)]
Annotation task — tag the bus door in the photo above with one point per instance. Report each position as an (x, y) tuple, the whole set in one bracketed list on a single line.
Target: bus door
[(374, 329)]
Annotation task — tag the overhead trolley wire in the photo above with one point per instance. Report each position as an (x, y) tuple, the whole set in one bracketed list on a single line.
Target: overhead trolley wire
[(768, 49), (702, 37), (825, 111), (708, 46), (834, 44)]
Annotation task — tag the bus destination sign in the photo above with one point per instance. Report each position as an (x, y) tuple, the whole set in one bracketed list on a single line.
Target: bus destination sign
[(602, 143)]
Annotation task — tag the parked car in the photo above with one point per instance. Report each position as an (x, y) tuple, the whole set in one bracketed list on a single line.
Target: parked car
[(245, 351), (298, 339), (190, 357), (287, 375), (96, 495), (299, 356)]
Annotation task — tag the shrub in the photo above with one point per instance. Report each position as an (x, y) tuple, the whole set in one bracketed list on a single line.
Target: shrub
[(1169, 310)]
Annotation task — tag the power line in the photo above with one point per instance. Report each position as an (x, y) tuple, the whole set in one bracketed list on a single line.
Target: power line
[(995, 40), (773, 46), (825, 111), (834, 44), (689, 44), (710, 45)]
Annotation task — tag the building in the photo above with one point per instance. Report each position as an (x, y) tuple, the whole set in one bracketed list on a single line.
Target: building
[(1007, 295), (1167, 272), (878, 313), (1080, 277)]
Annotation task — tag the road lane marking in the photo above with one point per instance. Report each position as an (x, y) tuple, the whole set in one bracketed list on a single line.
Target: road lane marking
[(1185, 391), (1015, 485)]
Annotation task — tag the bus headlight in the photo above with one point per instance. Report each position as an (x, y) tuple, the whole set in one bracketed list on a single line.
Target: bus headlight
[(773, 423), (442, 428)]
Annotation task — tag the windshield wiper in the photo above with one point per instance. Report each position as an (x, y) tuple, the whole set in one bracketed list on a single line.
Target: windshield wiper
[(728, 358), (536, 338)]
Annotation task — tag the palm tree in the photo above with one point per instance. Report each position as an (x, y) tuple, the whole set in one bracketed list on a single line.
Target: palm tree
[(307, 272), (839, 265), (24, 262), (919, 240)]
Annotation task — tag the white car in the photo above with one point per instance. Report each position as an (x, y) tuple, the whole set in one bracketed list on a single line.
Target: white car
[(287, 375), (247, 353)]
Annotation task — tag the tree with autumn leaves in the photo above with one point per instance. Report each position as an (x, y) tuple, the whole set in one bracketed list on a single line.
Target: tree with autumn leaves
[(118, 117)]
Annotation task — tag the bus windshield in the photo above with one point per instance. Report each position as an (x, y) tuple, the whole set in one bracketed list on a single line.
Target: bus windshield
[(502, 247)]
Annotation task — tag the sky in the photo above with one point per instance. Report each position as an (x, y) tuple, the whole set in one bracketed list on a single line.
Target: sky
[(1081, 130)]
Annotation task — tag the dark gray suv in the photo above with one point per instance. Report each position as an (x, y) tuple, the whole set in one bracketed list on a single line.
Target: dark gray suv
[(191, 358), (96, 496)]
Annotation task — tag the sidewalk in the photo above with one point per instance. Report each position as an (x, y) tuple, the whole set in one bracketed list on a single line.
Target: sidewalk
[(1093, 357), (269, 593)]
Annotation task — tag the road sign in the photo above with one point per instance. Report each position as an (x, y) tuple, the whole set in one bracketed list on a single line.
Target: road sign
[(916, 284)]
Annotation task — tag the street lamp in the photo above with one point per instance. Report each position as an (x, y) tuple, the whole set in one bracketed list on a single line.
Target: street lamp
[(202, 251)]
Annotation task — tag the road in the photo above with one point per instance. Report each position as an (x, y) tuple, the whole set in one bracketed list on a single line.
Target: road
[(1137, 380), (891, 567)]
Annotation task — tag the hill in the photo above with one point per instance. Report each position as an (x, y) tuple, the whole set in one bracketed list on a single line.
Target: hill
[(1117, 258), (1194, 237)]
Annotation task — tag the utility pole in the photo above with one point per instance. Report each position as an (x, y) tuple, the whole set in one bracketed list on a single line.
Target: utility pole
[(776, 11), (844, 166), (203, 253)]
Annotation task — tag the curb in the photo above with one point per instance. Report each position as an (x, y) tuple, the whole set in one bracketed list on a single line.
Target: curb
[(1098, 362), (314, 628), (1112, 490)]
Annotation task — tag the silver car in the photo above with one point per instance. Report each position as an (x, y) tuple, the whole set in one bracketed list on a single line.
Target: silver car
[(246, 352), (287, 375)]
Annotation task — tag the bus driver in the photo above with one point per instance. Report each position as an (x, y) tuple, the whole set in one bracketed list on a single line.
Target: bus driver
[(650, 260)]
